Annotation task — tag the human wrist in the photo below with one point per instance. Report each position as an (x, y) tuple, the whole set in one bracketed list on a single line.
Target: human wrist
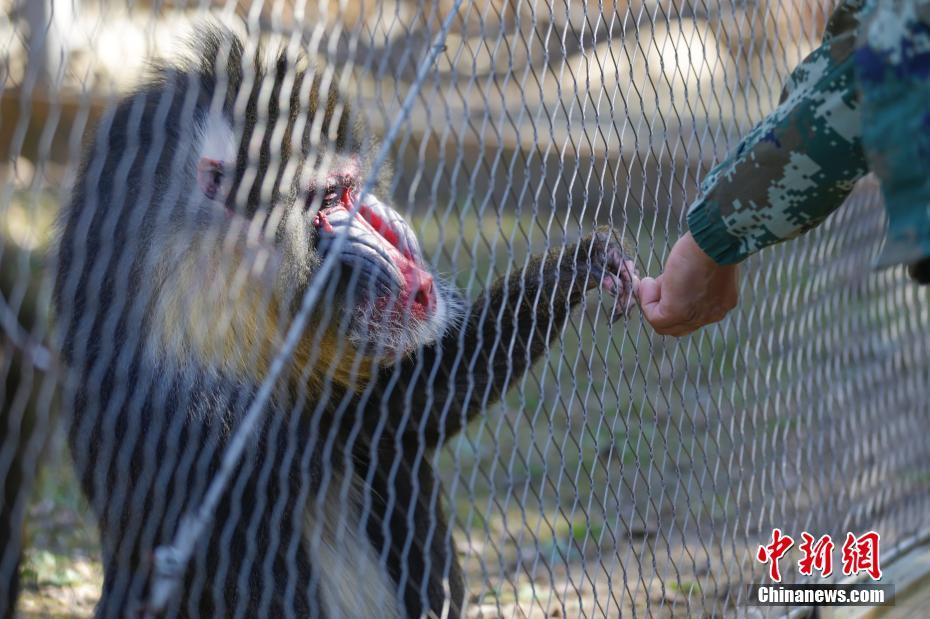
[(697, 254)]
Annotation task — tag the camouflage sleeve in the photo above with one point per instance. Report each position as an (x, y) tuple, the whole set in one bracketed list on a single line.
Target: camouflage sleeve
[(796, 166), (893, 73)]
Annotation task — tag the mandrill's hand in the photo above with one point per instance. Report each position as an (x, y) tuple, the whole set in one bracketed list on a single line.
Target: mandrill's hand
[(693, 291), (613, 268)]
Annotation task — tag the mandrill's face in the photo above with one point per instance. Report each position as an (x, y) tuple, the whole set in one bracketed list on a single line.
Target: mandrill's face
[(282, 214), (393, 301)]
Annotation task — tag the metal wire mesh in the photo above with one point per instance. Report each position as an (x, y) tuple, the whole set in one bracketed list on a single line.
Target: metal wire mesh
[(622, 474)]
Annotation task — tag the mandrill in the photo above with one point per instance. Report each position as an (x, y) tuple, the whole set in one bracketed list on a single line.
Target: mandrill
[(206, 205)]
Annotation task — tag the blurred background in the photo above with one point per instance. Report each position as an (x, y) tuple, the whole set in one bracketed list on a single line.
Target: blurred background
[(630, 473)]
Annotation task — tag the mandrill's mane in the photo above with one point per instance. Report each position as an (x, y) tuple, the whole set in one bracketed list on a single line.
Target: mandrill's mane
[(188, 300)]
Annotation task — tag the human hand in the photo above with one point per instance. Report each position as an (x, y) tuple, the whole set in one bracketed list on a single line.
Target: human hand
[(692, 291)]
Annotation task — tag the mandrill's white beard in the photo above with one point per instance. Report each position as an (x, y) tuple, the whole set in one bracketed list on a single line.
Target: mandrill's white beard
[(388, 334)]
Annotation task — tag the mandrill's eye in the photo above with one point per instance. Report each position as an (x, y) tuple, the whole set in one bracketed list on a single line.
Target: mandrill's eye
[(330, 196), (210, 175)]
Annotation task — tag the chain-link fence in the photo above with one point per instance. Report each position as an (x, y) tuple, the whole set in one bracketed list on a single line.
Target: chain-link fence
[(237, 383)]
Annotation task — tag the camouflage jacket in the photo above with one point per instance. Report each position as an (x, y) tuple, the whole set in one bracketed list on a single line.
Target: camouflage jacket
[(859, 102)]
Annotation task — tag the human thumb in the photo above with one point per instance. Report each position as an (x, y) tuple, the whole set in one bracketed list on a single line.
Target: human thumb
[(649, 293)]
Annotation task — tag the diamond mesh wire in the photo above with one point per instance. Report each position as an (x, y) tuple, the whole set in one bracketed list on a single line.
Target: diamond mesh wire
[(623, 474)]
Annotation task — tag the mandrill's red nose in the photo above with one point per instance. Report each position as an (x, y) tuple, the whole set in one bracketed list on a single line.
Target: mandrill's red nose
[(419, 284)]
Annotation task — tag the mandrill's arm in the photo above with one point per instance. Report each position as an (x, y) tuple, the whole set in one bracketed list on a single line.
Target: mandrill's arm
[(434, 394)]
